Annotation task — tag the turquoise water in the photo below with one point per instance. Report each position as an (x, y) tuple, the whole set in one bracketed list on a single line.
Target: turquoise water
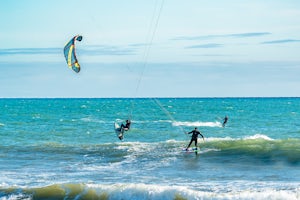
[(67, 149)]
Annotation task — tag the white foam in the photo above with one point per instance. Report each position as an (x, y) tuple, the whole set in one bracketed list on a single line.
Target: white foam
[(16, 196), (220, 139), (252, 137), (158, 192), (258, 136), (199, 124), (171, 141)]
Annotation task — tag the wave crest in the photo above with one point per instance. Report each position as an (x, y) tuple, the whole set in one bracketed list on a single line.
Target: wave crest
[(145, 191)]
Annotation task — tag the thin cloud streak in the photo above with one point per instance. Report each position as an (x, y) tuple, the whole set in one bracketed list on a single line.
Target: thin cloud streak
[(88, 50), (107, 50), (280, 41), (29, 51), (237, 35), (210, 45)]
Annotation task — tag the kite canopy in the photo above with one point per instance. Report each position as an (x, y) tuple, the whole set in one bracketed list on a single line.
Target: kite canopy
[(69, 52)]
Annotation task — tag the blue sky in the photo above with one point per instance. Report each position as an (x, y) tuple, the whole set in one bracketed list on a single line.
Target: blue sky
[(151, 48)]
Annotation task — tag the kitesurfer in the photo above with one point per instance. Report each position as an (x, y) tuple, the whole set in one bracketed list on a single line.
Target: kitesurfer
[(125, 127), (225, 121), (195, 133)]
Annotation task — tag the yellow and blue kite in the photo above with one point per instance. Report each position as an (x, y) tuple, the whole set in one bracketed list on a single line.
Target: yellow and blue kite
[(69, 52)]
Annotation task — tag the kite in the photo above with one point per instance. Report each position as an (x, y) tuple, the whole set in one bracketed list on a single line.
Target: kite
[(69, 52)]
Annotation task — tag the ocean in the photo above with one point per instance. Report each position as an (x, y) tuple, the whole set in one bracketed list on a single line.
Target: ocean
[(68, 149)]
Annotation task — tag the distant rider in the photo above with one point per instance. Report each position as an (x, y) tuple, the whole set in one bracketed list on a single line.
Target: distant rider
[(225, 121), (195, 133)]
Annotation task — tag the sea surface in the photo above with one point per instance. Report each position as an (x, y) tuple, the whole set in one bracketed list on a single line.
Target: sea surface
[(67, 149)]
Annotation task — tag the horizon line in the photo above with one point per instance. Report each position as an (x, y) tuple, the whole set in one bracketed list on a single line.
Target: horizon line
[(191, 97)]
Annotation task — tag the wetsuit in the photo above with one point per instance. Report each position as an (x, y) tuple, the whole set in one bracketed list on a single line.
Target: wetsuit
[(125, 127), (225, 121), (194, 137)]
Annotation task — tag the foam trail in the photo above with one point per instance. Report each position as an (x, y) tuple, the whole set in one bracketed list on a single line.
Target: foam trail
[(203, 124)]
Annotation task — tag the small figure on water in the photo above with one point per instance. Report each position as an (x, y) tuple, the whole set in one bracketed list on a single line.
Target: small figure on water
[(225, 121)]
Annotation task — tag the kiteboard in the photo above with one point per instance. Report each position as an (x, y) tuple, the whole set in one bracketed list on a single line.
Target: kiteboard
[(191, 150), (118, 131)]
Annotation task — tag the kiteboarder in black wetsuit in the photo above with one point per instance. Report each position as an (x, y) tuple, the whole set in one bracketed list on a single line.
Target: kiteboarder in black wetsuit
[(195, 133), (225, 121), (125, 127)]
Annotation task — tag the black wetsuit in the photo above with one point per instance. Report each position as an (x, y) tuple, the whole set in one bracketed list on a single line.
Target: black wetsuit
[(194, 137), (225, 121), (127, 126), (123, 128)]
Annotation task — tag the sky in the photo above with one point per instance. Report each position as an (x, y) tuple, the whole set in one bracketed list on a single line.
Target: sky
[(150, 48)]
